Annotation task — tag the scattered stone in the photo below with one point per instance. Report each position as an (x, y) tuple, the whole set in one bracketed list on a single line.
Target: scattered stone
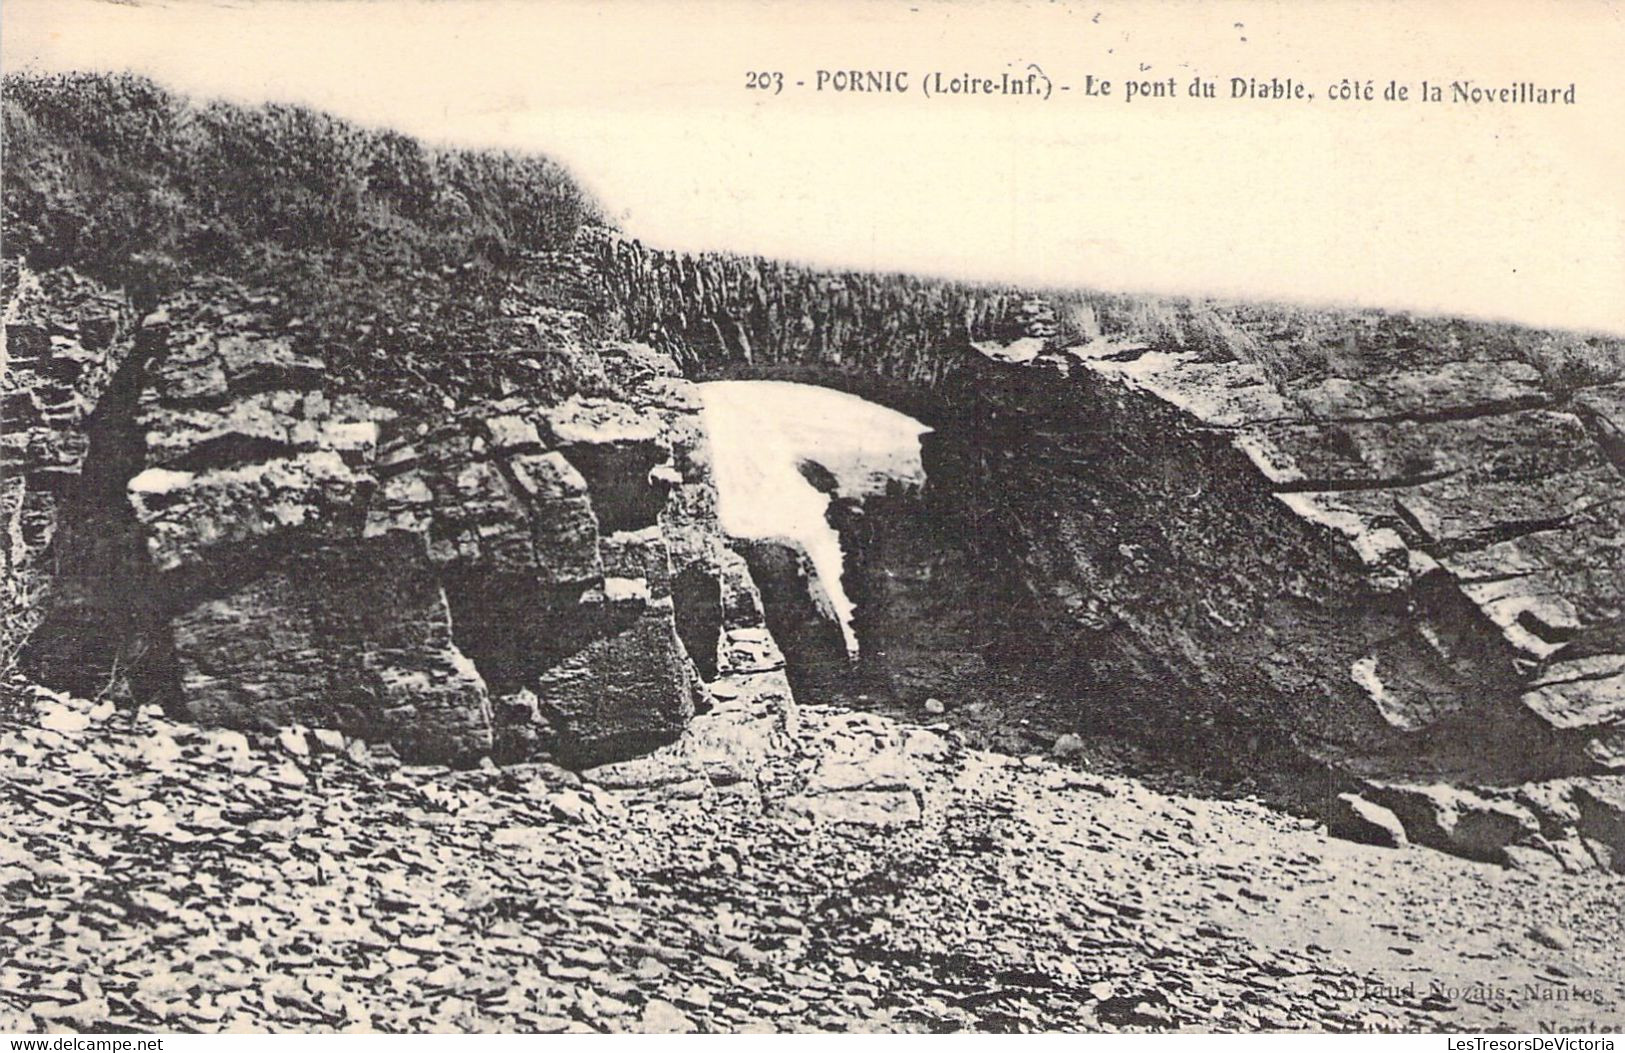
[(55, 717), (864, 808), (1068, 747), (1550, 936), (570, 805), (660, 1017), (329, 740), (288, 774), (294, 741), (1353, 818)]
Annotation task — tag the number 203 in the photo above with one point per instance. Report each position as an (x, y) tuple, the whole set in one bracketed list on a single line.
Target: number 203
[(764, 81)]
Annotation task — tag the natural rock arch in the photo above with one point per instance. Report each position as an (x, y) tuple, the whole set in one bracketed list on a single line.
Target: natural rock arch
[(1401, 543)]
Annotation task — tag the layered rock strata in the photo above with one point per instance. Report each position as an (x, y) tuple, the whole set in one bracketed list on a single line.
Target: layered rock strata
[(1401, 540), (512, 578)]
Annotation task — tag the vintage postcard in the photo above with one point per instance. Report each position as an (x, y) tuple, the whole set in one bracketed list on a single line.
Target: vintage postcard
[(892, 516)]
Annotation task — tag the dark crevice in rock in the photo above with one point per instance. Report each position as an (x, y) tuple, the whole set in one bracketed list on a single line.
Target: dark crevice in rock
[(1484, 536), (696, 596), (1603, 673), (624, 495), (1333, 486), (103, 632), (226, 451), (1555, 634)]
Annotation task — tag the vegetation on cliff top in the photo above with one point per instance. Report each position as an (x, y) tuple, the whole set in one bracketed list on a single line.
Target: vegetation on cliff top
[(385, 249), (106, 170), (441, 267)]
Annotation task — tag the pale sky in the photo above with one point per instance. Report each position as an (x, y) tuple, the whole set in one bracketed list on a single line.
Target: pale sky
[(1491, 210)]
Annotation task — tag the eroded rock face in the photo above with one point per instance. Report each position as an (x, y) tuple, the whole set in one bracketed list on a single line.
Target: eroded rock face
[(1425, 550), (497, 581), (1401, 540), (1402, 546), (66, 337)]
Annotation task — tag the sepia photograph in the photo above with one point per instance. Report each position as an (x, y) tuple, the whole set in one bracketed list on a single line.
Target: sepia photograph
[(881, 517)]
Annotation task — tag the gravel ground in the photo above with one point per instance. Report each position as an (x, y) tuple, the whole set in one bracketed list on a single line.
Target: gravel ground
[(775, 870)]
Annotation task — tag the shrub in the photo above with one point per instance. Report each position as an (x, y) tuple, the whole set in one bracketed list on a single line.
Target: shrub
[(379, 244)]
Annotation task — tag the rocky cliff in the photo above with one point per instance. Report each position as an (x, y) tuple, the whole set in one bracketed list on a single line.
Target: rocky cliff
[(1398, 538), (232, 538), (401, 458)]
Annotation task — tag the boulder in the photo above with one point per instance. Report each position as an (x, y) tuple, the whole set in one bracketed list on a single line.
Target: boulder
[(1456, 820), (1601, 806), (626, 692), (1353, 818), (798, 611), (865, 774)]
